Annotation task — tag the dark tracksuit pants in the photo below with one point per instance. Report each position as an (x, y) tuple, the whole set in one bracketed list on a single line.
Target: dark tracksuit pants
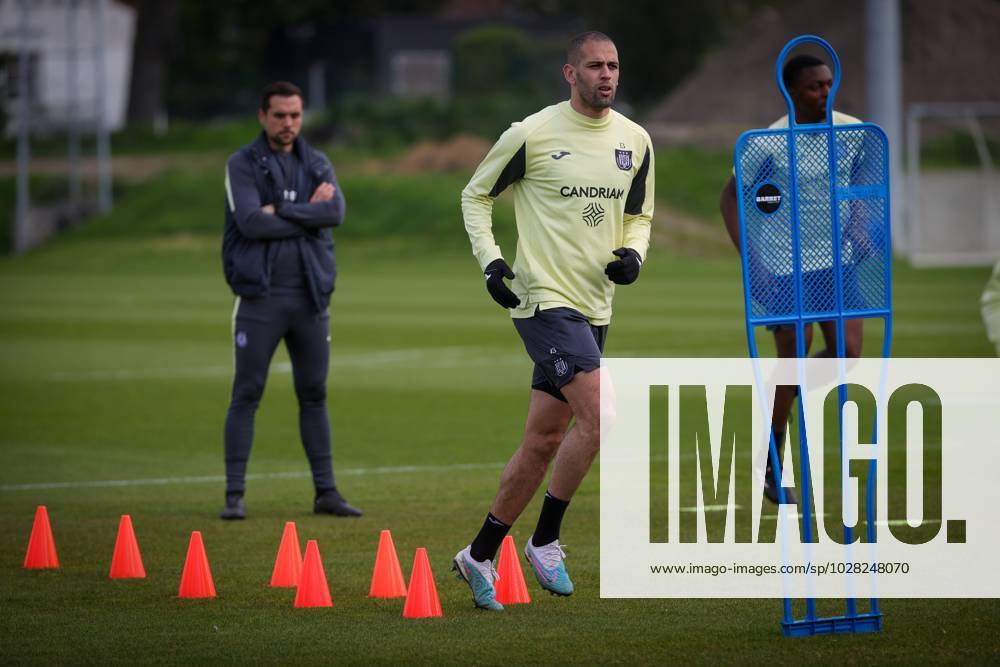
[(259, 325)]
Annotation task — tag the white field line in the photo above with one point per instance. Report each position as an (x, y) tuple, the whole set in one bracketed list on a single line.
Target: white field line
[(431, 357), (346, 472), (204, 479), (710, 508), (125, 374), (295, 474), (904, 522), (723, 508), (773, 517)]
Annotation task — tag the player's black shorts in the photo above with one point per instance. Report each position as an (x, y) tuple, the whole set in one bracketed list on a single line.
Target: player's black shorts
[(561, 342)]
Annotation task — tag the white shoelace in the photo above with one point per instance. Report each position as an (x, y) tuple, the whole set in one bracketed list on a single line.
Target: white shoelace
[(486, 569), (550, 555)]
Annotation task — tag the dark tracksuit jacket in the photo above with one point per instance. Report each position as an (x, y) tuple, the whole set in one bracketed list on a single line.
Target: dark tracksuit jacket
[(252, 237)]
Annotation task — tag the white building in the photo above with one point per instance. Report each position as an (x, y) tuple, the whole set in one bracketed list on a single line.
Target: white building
[(66, 47)]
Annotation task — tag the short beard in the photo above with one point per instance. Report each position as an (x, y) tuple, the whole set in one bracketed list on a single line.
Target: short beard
[(592, 97)]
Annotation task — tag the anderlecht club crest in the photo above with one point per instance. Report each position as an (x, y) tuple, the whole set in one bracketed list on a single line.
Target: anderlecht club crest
[(623, 159)]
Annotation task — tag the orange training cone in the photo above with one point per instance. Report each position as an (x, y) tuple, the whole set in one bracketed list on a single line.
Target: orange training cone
[(196, 580), (288, 564), (126, 563), (387, 579), (422, 597), (313, 590), (511, 588), (41, 552)]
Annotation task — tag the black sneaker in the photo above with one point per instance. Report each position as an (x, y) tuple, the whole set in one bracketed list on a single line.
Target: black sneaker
[(771, 488), (234, 510), (331, 502)]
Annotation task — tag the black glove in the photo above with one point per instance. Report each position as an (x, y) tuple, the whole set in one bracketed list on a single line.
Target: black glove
[(624, 271), (495, 272)]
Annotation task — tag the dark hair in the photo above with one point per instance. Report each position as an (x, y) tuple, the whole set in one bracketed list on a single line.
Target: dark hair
[(576, 44), (279, 88), (794, 67)]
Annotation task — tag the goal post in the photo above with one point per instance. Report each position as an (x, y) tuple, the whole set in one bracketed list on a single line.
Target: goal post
[(952, 212)]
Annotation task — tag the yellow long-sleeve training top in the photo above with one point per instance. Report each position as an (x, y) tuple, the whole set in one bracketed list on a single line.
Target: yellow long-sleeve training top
[(582, 188)]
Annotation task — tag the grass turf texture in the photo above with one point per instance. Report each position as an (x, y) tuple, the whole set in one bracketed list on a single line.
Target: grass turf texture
[(115, 363)]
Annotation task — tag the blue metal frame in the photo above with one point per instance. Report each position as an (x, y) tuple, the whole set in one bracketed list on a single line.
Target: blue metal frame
[(852, 621)]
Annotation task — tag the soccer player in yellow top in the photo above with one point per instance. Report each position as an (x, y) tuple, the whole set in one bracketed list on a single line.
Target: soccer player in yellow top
[(582, 179)]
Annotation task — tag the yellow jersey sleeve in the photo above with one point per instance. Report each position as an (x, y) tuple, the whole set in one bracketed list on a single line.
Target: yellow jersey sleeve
[(503, 165)]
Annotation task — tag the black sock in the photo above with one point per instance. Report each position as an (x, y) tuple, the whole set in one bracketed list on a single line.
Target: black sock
[(549, 521), (769, 470), (485, 546), (779, 441)]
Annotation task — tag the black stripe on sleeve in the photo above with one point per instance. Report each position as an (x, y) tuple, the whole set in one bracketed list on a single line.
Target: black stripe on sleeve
[(512, 172), (637, 193)]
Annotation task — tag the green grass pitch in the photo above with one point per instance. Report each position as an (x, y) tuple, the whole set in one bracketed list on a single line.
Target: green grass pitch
[(115, 364)]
